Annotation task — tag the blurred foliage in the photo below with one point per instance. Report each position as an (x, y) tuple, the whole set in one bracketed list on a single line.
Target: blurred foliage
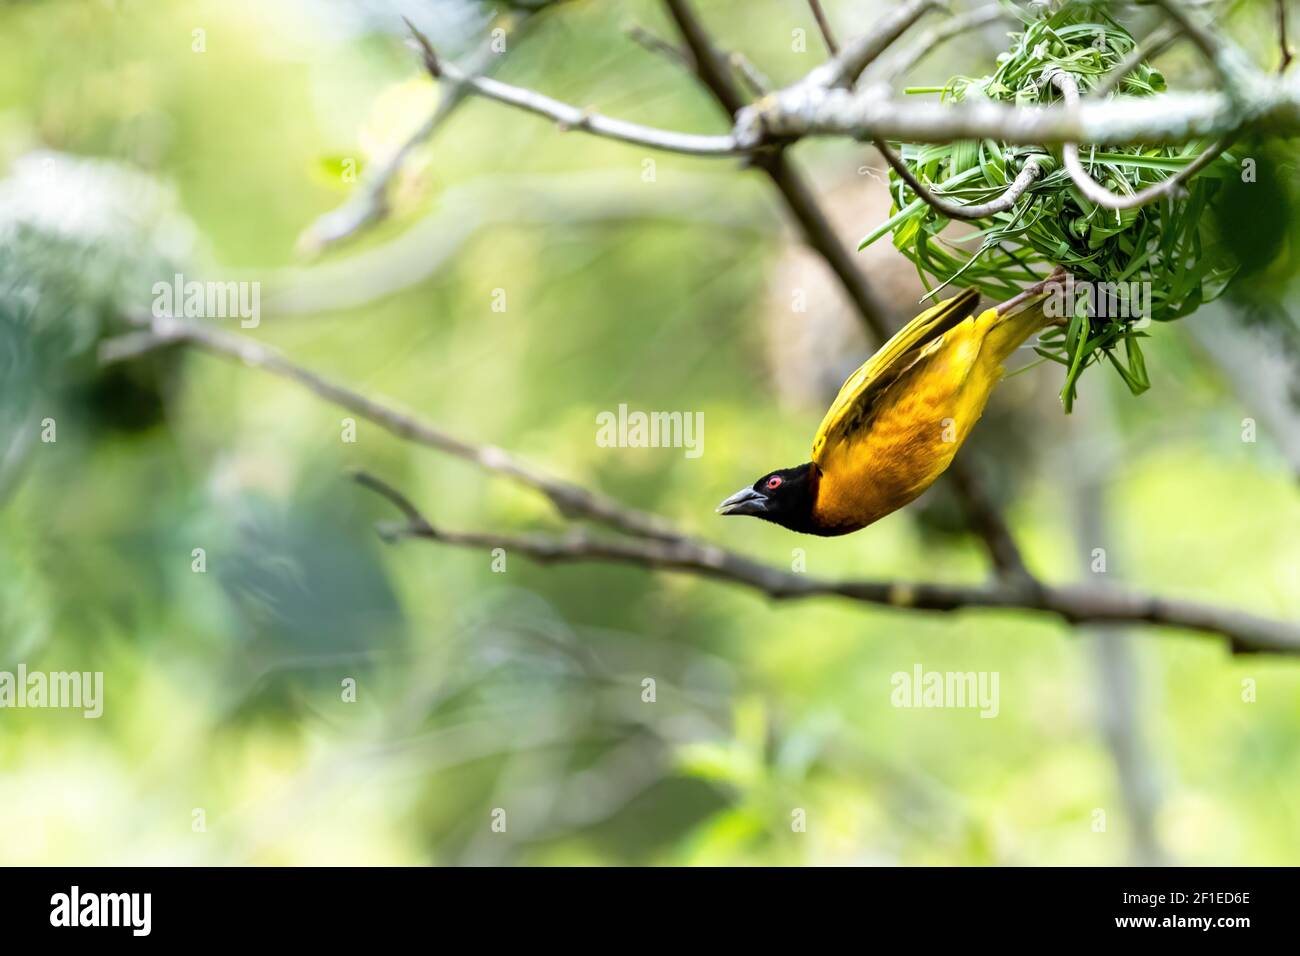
[(525, 690), (81, 241)]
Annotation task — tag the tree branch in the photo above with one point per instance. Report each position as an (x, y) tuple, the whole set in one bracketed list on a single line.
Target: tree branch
[(573, 117), (844, 68), (963, 211), (758, 84), (660, 47), (1151, 45), (821, 104), (1098, 193), (824, 25), (953, 26), (569, 499), (1247, 633), (655, 544)]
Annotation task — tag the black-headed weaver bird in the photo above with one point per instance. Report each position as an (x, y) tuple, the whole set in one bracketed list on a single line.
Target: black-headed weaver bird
[(899, 420)]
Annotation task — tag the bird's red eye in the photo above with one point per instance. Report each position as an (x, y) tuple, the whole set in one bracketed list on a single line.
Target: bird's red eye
[(774, 481)]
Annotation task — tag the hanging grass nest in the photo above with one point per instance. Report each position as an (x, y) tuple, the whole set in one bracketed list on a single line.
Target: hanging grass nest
[(1160, 260)]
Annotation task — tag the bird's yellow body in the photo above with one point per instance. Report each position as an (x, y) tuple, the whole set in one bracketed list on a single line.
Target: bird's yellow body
[(899, 420)]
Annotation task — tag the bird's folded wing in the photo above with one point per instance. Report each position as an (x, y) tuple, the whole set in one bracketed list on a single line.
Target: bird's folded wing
[(851, 409)]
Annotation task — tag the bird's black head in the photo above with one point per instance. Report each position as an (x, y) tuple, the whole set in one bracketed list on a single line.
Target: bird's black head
[(783, 497)]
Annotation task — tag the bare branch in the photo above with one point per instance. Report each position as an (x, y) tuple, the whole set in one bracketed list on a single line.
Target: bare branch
[(573, 117), (1171, 118), (845, 67), (964, 211), (824, 25), (794, 189), (1246, 632), (815, 107), (569, 499), (369, 202), (659, 46), (1102, 196), (415, 523)]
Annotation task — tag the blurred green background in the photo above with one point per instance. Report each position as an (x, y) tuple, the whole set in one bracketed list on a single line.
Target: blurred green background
[(523, 690)]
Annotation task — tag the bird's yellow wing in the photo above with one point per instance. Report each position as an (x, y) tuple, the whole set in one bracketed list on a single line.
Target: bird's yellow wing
[(851, 409)]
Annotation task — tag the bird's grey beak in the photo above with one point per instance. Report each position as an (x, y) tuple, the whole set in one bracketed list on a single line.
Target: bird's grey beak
[(746, 501)]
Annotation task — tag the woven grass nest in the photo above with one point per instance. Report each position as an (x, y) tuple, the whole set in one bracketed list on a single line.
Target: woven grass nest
[(1164, 252)]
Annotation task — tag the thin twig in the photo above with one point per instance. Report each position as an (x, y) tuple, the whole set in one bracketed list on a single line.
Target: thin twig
[(844, 68), (1234, 74), (569, 499), (799, 198), (1102, 196), (1247, 632), (573, 117), (1287, 54), (963, 211), (369, 202), (1151, 45), (657, 544), (659, 46), (415, 523), (954, 26), (824, 25)]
